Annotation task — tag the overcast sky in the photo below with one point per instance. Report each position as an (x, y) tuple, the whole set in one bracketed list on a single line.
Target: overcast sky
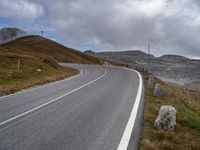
[(171, 26)]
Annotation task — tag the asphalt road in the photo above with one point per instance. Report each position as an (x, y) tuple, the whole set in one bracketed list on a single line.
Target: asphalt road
[(94, 110)]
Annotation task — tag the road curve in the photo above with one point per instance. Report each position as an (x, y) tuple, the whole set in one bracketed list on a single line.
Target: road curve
[(91, 111)]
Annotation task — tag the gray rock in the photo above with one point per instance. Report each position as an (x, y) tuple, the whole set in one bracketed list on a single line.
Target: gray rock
[(166, 119), (158, 91)]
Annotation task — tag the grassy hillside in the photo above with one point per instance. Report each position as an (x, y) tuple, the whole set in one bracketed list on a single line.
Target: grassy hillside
[(187, 132), (12, 79), (36, 53), (39, 45)]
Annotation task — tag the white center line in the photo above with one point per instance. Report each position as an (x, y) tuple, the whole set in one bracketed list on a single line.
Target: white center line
[(49, 102)]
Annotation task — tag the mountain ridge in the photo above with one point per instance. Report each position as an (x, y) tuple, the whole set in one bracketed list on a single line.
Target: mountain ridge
[(171, 68), (34, 44)]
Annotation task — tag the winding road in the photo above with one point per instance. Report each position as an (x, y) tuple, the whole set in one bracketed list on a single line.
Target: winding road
[(99, 109)]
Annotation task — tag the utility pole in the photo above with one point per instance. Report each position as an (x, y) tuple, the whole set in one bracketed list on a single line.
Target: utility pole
[(149, 47)]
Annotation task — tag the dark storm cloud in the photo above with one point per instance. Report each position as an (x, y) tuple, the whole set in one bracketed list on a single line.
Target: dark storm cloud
[(171, 26)]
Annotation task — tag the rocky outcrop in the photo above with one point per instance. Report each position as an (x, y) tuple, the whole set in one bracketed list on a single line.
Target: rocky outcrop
[(158, 91), (166, 119)]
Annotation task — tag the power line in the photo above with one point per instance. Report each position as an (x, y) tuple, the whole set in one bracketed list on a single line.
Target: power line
[(149, 47)]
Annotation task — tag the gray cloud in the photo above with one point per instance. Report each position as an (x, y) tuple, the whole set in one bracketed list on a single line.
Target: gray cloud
[(171, 26), (20, 9)]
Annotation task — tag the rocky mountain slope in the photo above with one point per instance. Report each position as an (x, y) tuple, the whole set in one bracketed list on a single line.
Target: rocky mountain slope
[(171, 68), (9, 34)]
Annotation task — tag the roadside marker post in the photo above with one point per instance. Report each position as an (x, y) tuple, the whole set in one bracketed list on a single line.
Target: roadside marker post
[(18, 64)]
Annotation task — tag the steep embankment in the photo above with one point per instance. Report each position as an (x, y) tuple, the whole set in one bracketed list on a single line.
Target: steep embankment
[(38, 62)]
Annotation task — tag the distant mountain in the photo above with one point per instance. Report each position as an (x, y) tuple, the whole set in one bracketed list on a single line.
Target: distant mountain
[(173, 58), (171, 68), (9, 34), (126, 57)]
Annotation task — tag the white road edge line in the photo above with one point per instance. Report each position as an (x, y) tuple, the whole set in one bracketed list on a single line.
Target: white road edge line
[(129, 127), (49, 102), (41, 86)]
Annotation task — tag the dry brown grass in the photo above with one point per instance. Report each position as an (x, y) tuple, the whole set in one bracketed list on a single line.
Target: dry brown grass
[(186, 135), (148, 144)]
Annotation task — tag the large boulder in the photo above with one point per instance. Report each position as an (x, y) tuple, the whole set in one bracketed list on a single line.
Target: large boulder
[(166, 119), (158, 91)]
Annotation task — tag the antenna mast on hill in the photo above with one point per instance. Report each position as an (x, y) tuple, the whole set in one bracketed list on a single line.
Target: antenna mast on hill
[(42, 32)]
